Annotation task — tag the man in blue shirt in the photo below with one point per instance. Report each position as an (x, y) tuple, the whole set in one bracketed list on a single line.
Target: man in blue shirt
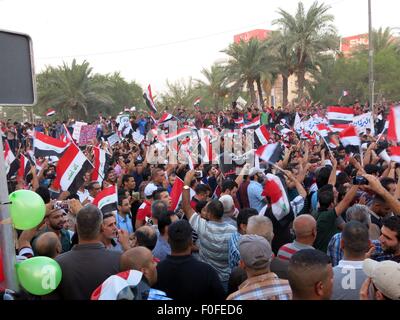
[(255, 189), (124, 219)]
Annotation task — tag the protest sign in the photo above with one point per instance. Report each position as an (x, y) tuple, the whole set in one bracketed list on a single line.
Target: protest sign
[(77, 129), (364, 122), (87, 134), (113, 139), (137, 137)]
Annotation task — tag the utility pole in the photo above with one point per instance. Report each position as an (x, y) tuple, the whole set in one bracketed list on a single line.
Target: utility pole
[(371, 59)]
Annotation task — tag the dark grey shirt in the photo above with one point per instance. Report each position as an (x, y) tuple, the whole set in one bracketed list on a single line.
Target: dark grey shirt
[(84, 268)]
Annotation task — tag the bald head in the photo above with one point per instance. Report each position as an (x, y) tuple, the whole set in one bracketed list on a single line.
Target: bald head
[(48, 244), (304, 226), (146, 236), (136, 259), (140, 259), (260, 226)]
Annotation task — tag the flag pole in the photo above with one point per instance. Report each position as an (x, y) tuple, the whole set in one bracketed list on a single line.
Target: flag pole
[(361, 156)]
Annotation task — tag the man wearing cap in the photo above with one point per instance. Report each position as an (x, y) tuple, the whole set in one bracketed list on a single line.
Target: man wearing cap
[(145, 208), (261, 284), (383, 280), (255, 189)]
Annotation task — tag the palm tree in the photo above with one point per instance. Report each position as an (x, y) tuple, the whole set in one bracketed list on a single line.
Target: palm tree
[(248, 62), (284, 58), (70, 89), (382, 39), (310, 33), (179, 94), (215, 85)]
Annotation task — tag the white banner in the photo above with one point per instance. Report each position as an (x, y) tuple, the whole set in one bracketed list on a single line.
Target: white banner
[(364, 122), (77, 129), (137, 137), (113, 139)]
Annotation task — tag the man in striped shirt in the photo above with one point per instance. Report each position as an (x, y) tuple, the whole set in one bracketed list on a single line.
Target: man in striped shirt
[(261, 284), (214, 234), (305, 229)]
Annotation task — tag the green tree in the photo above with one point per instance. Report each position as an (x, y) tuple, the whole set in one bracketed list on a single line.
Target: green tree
[(215, 88), (249, 62), (310, 33), (180, 94), (284, 55), (70, 89)]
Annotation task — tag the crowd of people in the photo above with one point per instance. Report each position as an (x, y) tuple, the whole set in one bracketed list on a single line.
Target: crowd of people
[(322, 222)]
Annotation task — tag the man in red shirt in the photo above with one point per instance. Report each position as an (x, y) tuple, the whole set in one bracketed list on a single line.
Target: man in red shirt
[(145, 209)]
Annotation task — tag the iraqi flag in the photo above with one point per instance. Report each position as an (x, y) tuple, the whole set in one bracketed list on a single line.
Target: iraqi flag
[(393, 131), (10, 161), (176, 194), (270, 153), (253, 124), (115, 284), (338, 127), (262, 134), (24, 167), (165, 118), (148, 97), (349, 137), (50, 112), (323, 130), (107, 200), (340, 115), (395, 154), (197, 102), (274, 190), (101, 164), (239, 121), (45, 146), (71, 169)]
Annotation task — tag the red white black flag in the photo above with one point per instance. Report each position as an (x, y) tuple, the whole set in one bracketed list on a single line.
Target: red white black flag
[(71, 169), (24, 167), (44, 146), (101, 163), (107, 200), (10, 161)]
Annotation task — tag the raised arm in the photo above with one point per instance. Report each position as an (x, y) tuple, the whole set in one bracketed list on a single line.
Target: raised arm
[(186, 207), (376, 186), (348, 198)]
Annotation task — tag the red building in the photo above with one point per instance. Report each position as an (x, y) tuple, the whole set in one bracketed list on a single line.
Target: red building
[(259, 34), (349, 44)]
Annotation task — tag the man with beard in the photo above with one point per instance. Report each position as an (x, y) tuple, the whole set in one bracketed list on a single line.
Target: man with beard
[(111, 178), (255, 189), (390, 237), (55, 222)]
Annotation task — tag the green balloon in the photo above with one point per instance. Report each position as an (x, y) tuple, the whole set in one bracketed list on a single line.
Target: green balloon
[(39, 275), (27, 209)]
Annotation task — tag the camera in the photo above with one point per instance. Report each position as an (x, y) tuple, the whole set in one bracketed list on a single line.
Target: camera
[(360, 181), (199, 174)]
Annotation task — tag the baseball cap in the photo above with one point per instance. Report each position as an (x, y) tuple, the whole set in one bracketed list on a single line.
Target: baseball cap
[(227, 202), (150, 188), (385, 275), (255, 251)]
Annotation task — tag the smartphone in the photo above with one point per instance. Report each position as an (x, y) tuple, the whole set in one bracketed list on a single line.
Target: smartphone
[(61, 205), (360, 181), (199, 174)]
